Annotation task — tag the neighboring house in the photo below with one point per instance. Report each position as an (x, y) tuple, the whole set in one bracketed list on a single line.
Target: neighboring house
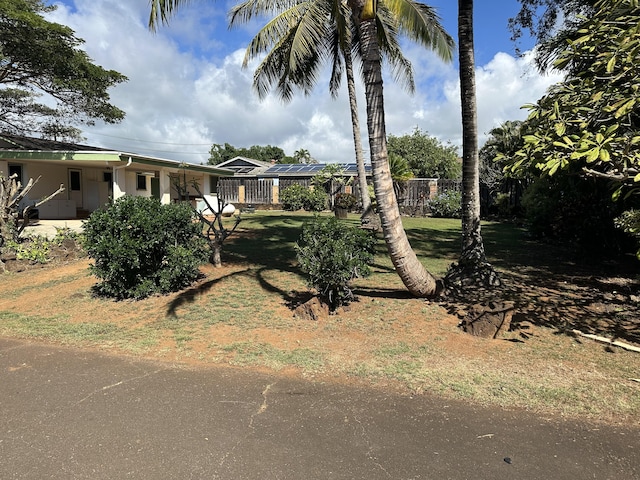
[(93, 176), (243, 166)]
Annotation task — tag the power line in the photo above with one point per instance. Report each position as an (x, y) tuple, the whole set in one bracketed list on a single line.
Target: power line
[(151, 141)]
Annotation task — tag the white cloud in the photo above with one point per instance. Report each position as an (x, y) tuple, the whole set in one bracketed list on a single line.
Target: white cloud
[(183, 97)]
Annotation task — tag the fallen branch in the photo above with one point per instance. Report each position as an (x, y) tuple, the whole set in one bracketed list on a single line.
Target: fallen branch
[(615, 343)]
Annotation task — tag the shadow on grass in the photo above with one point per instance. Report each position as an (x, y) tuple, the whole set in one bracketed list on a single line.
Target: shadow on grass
[(553, 286), (550, 284), (191, 294)]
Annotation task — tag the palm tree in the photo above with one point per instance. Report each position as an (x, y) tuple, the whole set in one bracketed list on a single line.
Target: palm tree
[(415, 19), (472, 263), (300, 40), (301, 35), (472, 245)]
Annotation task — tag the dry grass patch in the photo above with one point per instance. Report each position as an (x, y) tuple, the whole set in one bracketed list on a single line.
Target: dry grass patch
[(241, 315)]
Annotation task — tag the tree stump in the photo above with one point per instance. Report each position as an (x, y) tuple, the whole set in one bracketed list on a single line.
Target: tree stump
[(313, 309), (488, 320)]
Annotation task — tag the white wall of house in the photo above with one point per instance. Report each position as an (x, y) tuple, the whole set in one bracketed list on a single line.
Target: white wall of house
[(101, 183)]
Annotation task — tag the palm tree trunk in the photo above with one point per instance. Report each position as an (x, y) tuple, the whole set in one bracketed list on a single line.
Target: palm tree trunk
[(472, 270), (415, 277), (357, 140), (472, 245)]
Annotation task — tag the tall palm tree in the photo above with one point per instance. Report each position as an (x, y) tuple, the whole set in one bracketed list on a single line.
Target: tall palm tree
[(472, 263), (472, 245), (301, 39), (411, 18), (296, 42)]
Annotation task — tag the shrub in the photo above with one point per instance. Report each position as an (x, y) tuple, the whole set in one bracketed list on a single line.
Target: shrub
[(35, 249), (446, 205), (296, 197), (578, 211), (629, 222), (346, 200), (316, 200), (332, 254), (293, 197), (141, 247)]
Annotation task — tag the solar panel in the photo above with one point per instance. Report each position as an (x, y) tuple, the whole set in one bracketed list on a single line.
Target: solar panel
[(310, 169)]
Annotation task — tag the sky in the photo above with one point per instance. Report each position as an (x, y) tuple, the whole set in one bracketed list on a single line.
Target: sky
[(187, 89)]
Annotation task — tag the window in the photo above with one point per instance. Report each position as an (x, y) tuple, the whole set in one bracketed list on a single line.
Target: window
[(107, 177), (15, 169), (141, 182), (213, 184), (74, 180)]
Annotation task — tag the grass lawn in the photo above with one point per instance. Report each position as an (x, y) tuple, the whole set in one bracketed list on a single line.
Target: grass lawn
[(241, 315)]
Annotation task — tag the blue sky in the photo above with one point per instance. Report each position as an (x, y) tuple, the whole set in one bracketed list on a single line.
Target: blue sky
[(187, 90)]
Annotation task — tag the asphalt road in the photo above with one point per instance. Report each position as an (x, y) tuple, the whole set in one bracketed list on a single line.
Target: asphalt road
[(78, 414)]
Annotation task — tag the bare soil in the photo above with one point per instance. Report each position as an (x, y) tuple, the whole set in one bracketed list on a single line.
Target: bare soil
[(548, 307)]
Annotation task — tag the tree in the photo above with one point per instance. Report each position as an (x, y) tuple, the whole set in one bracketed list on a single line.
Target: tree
[(426, 155), (12, 220), (551, 22), (215, 231), (472, 267), (303, 156), (415, 277), (421, 23), (592, 119), (41, 59), (221, 153), (301, 34), (503, 143)]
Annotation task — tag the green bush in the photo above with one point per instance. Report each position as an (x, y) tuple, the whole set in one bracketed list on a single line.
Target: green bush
[(35, 249), (332, 254), (293, 197), (141, 247), (316, 200), (346, 200), (296, 197), (629, 222), (575, 210), (446, 205)]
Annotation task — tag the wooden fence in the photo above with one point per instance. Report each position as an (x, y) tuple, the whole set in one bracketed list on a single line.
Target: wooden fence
[(413, 194)]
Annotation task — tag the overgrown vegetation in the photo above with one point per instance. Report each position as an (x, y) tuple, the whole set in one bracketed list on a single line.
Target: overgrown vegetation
[(140, 247), (555, 209), (332, 254)]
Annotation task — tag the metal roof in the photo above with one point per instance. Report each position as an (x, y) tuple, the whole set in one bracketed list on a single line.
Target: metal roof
[(15, 147)]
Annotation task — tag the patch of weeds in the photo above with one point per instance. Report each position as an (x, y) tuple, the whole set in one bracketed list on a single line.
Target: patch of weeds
[(59, 329), (249, 353), (34, 248), (402, 370), (386, 351)]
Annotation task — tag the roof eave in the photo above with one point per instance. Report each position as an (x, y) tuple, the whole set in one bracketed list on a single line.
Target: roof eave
[(109, 156)]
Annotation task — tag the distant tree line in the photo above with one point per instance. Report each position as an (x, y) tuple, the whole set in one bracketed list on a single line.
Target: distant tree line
[(414, 155)]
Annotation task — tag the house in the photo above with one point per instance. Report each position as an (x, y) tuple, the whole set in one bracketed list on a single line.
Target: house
[(92, 175), (244, 166)]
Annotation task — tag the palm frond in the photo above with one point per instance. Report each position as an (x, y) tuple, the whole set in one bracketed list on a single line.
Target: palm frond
[(250, 9), (162, 10), (388, 39), (421, 23)]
